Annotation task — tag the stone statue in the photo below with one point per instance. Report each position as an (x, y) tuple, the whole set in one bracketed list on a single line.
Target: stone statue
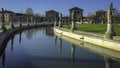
[(73, 22), (11, 25), (60, 19), (3, 21), (55, 22), (110, 30)]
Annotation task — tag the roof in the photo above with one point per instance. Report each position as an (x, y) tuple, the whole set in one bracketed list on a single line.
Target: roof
[(52, 11), (75, 8), (6, 11), (101, 11), (20, 14)]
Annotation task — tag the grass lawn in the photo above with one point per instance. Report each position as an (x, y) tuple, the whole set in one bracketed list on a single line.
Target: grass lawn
[(8, 26), (95, 28)]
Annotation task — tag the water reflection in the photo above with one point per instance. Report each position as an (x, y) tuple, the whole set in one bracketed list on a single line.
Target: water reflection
[(3, 58), (72, 52), (48, 31), (30, 33), (3, 53), (108, 62), (49, 51), (60, 45), (20, 34), (55, 40), (12, 42), (108, 55)]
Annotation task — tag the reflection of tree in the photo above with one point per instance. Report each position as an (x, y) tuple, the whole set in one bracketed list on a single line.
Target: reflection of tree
[(108, 62), (29, 33), (49, 31), (72, 52), (60, 45)]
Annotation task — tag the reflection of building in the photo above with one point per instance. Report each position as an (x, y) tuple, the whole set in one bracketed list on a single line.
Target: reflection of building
[(51, 15), (101, 16), (48, 31), (78, 14)]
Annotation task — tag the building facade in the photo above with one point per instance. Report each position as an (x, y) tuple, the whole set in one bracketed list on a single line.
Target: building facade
[(101, 16), (8, 16), (78, 14), (51, 16)]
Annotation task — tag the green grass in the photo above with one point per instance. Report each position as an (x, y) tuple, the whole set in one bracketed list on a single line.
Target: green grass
[(8, 26), (95, 28)]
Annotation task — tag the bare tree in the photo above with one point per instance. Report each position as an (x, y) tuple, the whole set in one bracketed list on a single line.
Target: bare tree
[(29, 11)]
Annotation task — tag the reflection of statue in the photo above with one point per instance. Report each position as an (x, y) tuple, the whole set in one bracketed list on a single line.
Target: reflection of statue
[(55, 40), (72, 52), (29, 33), (60, 45), (35, 30), (20, 36), (108, 62), (3, 59), (43, 30), (12, 42)]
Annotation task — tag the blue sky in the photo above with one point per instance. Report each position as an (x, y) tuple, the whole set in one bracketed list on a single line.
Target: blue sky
[(63, 6)]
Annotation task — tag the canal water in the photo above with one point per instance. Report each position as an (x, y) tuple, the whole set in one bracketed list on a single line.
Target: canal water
[(42, 48)]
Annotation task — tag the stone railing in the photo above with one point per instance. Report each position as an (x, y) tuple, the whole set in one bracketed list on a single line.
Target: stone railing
[(115, 38)]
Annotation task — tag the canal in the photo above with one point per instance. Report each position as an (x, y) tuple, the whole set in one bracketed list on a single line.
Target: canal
[(42, 48)]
